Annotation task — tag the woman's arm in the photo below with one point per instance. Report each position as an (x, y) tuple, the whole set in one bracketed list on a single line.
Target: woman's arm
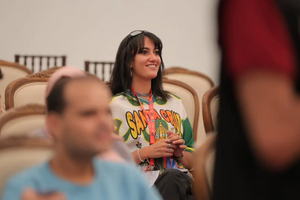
[(188, 161), (158, 150), (143, 155)]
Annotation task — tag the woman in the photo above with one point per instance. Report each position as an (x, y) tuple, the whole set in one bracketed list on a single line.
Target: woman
[(153, 122)]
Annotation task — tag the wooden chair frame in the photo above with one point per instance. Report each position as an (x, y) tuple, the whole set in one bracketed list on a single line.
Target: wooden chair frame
[(25, 141), (13, 86), (27, 110), (15, 65), (50, 71), (180, 70), (206, 109), (196, 100)]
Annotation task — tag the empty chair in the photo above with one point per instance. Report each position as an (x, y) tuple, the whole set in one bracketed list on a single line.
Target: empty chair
[(10, 72), (43, 61), (199, 82), (22, 121), (210, 108), (26, 90), (189, 100), (105, 74), (20, 153)]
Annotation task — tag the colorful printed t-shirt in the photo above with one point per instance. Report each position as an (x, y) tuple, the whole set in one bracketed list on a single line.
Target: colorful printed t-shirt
[(131, 123)]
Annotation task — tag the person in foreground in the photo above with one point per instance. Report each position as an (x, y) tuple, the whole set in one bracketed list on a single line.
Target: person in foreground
[(81, 127), (258, 142), (153, 123)]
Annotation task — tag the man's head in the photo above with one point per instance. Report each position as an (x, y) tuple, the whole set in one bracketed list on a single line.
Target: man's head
[(79, 117)]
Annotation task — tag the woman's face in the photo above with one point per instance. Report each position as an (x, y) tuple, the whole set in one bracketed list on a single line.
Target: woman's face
[(146, 62)]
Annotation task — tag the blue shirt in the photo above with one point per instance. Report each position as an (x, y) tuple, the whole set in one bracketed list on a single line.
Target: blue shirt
[(113, 181)]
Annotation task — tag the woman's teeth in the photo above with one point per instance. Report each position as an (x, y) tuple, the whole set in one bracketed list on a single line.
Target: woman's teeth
[(153, 66)]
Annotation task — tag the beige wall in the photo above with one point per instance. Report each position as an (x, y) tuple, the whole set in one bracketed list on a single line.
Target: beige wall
[(93, 29)]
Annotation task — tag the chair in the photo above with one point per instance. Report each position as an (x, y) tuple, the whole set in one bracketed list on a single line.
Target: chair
[(26, 90), (210, 108), (53, 59), (11, 72), (199, 82), (204, 158), (189, 99), (20, 153), (22, 121), (49, 71), (88, 66)]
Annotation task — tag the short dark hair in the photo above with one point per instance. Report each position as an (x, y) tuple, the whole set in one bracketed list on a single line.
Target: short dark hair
[(55, 101), (120, 79)]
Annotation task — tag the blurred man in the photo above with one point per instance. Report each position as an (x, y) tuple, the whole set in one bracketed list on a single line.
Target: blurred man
[(258, 146), (80, 121)]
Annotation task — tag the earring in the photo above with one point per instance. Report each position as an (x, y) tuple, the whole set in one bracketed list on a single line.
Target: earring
[(130, 71)]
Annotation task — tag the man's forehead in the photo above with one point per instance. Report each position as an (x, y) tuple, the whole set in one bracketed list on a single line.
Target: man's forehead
[(85, 82), (84, 88)]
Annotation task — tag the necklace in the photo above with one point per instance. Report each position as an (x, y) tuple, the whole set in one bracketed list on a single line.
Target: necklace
[(142, 95)]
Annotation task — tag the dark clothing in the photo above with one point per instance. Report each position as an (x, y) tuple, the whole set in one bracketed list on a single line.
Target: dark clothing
[(174, 185), (254, 35)]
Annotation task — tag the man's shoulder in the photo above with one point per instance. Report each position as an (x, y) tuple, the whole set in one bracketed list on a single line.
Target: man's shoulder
[(128, 172), (127, 180), (29, 175), (115, 167), (28, 178)]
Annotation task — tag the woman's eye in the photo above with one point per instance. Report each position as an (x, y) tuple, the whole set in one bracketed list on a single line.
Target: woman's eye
[(144, 52), (157, 52)]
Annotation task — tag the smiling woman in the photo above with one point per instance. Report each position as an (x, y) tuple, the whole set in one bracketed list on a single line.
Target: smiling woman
[(153, 122), (139, 59)]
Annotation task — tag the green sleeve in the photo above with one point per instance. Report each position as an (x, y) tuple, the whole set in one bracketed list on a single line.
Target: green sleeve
[(188, 135)]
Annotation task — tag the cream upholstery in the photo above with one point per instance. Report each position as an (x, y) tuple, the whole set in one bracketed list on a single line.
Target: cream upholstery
[(30, 93), (199, 82), (209, 168), (204, 158), (11, 72), (22, 121), (17, 158), (188, 96), (22, 125), (27, 90)]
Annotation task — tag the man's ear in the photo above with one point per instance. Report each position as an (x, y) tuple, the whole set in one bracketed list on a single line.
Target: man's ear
[(53, 124)]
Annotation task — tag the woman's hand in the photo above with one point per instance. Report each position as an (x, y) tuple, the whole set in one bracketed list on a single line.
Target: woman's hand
[(175, 139), (161, 149)]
